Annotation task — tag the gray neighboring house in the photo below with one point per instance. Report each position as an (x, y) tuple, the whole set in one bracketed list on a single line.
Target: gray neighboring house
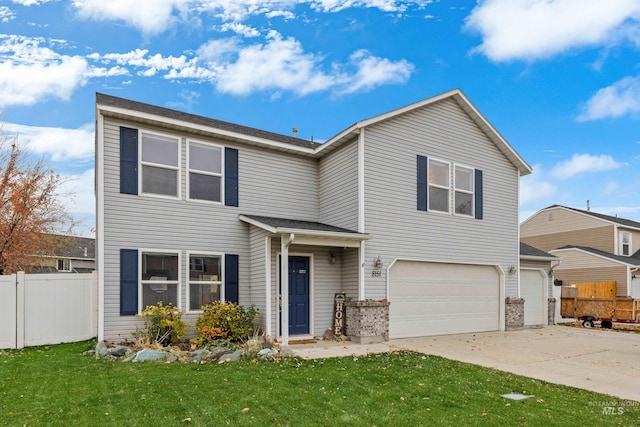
[(72, 255), (412, 213)]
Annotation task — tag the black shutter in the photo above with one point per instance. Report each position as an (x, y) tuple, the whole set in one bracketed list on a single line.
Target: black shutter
[(231, 278), (478, 194), (128, 160), (423, 183), (230, 177), (128, 282)]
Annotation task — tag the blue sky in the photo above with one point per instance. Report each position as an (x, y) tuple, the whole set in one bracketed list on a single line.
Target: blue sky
[(560, 79)]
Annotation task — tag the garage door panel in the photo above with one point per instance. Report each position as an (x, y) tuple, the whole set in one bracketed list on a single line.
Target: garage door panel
[(433, 299), (533, 290)]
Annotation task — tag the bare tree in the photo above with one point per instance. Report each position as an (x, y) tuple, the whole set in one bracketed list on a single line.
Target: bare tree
[(29, 208)]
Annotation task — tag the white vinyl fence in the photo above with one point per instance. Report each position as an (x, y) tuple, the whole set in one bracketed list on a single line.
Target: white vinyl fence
[(38, 309)]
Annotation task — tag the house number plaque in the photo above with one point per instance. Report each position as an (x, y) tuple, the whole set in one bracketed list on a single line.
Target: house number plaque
[(338, 319)]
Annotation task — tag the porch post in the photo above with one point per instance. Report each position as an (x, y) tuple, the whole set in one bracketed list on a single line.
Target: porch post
[(285, 242)]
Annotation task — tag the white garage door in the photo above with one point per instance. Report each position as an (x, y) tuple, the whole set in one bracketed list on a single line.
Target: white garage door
[(436, 299), (533, 290)]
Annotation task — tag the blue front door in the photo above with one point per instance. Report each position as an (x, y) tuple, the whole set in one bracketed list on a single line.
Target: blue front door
[(298, 295)]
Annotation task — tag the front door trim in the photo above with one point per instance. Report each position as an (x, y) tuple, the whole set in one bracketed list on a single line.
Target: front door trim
[(311, 290)]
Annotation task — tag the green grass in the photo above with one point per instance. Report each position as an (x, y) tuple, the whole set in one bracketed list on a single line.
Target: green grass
[(57, 385)]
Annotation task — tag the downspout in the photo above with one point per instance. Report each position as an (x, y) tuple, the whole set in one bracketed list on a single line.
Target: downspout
[(285, 242)]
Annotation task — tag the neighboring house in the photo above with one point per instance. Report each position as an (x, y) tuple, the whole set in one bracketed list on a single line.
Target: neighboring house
[(417, 206), (536, 286), (593, 247), (71, 254)]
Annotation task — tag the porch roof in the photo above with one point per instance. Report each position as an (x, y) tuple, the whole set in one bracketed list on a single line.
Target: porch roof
[(307, 232)]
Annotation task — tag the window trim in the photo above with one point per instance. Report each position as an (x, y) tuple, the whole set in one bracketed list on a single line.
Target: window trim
[(142, 163), (221, 174), (221, 281), (65, 261), (141, 253), (472, 191), (429, 185)]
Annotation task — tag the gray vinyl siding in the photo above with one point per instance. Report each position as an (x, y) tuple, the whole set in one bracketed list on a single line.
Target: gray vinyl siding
[(270, 183), (338, 189), (350, 272), (258, 272), (399, 230)]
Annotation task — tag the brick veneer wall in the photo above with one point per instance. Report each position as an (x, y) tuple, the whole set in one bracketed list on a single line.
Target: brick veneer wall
[(367, 321), (514, 314)]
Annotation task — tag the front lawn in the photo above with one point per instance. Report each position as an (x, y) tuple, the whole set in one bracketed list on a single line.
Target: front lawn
[(57, 385)]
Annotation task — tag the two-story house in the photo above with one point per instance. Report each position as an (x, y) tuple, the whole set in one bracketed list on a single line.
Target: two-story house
[(593, 247), (67, 254), (417, 207)]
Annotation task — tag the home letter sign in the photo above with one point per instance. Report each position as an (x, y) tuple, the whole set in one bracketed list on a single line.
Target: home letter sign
[(338, 320)]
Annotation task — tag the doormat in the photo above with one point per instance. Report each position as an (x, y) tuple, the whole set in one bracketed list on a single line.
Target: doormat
[(309, 341)]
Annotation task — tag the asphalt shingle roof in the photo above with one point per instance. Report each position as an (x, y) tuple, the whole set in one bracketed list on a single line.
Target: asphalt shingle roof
[(114, 101), (298, 224), (528, 250)]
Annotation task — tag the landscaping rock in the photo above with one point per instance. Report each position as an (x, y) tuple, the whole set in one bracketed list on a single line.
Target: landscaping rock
[(285, 351), (198, 355), (267, 354), (149, 355), (232, 357), (216, 353), (118, 351), (268, 342), (101, 350), (110, 357)]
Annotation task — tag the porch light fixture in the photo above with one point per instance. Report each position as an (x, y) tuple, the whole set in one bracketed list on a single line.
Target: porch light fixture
[(377, 263), (332, 258), (512, 269)]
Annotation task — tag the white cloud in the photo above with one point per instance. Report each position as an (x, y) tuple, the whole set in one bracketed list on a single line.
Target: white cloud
[(279, 64), (535, 187), (156, 16), (31, 2), (6, 14), (617, 100), (240, 29), (149, 16), (537, 29), (374, 71), (78, 192), (581, 163), (59, 144), (30, 72)]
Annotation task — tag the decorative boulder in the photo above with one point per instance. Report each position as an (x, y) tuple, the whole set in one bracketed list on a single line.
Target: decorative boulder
[(267, 354), (198, 355), (101, 350), (216, 353), (118, 351), (149, 355), (231, 357)]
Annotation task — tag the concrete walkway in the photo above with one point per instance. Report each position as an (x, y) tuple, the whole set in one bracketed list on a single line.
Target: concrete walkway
[(592, 359)]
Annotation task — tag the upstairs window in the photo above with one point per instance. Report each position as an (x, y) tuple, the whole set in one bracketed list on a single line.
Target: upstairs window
[(463, 190), (205, 172), (438, 186), (160, 162), (625, 243)]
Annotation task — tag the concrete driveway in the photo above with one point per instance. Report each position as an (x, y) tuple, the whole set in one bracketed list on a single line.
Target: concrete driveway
[(592, 359)]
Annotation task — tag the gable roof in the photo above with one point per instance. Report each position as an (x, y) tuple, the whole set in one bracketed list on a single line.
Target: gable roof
[(152, 114), (284, 225), (119, 105), (460, 98), (633, 260), (609, 218), (529, 252)]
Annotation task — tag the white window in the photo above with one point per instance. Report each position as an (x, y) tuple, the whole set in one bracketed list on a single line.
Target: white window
[(160, 279), (205, 172), (159, 163), (439, 186), (625, 243), (463, 190), (64, 265), (205, 280)]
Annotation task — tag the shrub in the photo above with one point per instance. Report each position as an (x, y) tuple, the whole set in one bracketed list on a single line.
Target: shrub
[(235, 321), (163, 324)]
